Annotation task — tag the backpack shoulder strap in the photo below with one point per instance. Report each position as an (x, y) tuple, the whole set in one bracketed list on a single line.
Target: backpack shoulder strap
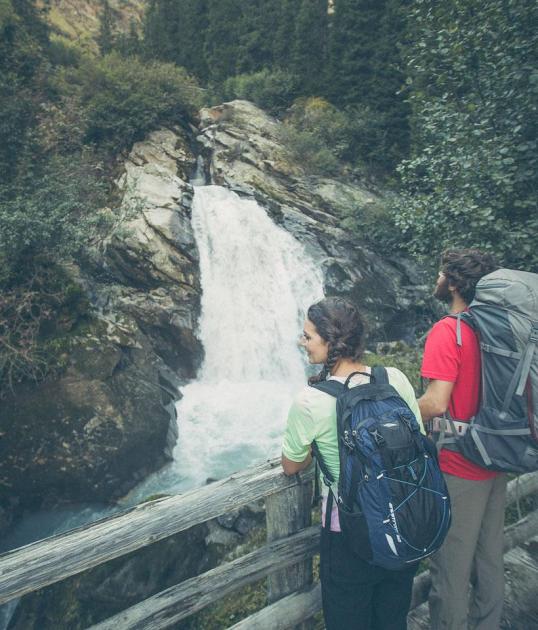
[(459, 317), (331, 387), (380, 375)]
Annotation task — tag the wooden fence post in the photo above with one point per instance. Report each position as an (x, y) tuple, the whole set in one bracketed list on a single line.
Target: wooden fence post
[(287, 512)]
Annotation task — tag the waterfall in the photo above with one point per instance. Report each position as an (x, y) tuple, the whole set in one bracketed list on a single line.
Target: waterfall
[(257, 282)]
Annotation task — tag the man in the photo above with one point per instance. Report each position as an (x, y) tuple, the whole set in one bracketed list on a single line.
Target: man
[(473, 549)]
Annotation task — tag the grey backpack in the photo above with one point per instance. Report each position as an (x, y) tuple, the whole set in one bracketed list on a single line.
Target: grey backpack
[(503, 435)]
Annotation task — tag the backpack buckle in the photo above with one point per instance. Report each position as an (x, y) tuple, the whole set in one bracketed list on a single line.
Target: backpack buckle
[(348, 442), (377, 437)]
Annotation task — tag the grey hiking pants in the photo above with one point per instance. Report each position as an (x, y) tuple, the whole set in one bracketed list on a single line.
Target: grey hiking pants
[(472, 552)]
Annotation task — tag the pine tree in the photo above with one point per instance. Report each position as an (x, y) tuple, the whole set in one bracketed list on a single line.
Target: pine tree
[(191, 36), (175, 30), (284, 34), (105, 37), (221, 38), (365, 67), (129, 44), (355, 36), (257, 27), (24, 47), (309, 49)]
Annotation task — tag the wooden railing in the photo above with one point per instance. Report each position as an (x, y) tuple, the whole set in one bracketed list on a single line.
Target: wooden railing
[(285, 559)]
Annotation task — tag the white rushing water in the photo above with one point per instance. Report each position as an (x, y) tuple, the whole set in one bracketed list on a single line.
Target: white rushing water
[(257, 282)]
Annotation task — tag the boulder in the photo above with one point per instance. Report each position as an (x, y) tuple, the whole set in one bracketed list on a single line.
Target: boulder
[(93, 431)]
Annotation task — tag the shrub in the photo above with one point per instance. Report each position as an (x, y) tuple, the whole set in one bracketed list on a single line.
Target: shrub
[(51, 221), (354, 136), (62, 52), (124, 98), (273, 90), (473, 177)]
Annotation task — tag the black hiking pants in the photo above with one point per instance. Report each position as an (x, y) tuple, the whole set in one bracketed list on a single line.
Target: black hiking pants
[(357, 595)]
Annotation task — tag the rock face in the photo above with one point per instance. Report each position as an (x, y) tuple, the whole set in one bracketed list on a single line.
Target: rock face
[(103, 422), (246, 153)]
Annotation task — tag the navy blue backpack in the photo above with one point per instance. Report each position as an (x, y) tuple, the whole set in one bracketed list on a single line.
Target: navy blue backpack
[(392, 499)]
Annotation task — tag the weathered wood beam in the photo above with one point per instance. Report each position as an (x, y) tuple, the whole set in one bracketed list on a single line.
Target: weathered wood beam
[(300, 606), (177, 602), (521, 487), (53, 559), (286, 513), (285, 613)]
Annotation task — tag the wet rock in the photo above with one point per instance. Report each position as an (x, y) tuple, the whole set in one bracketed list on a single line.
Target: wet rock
[(247, 154), (106, 419)]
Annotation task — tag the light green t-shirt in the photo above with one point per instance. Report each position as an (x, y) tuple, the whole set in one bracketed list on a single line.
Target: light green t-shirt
[(312, 416)]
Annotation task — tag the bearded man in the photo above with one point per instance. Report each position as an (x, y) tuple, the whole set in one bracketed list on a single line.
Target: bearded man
[(473, 548)]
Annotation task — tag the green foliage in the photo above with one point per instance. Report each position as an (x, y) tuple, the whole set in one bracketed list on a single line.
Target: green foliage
[(315, 135), (272, 90), (50, 219), (174, 31), (284, 33), (129, 44), (365, 73), (221, 38), (257, 27), (105, 37), (472, 179), (310, 45), (124, 98), (23, 66), (329, 140), (36, 317), (274, 51), (62, 52)]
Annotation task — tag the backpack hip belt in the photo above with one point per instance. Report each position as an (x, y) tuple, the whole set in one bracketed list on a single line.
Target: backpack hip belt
[(448, 426)]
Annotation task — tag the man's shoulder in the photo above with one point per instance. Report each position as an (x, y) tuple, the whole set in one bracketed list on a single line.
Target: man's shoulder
[(448, 324), (445, 327)]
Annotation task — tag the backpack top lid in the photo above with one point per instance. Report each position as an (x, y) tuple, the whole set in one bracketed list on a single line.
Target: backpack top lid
[(508, 288)]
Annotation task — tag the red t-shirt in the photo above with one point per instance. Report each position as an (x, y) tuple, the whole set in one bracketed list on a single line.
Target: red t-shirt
[(444, 360)]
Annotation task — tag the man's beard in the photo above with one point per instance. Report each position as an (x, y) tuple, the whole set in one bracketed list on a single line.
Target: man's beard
[(442, 292)]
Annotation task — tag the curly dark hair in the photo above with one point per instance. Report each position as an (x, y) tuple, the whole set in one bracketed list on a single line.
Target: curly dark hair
[(340, 323), (463, 268)]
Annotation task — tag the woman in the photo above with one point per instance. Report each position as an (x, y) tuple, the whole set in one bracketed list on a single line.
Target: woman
[(356, 594)]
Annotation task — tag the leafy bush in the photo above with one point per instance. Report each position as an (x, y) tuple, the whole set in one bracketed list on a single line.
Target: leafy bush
[(473, 178), (51, 221), (354, 137), (62, 52), (45, 225), (273, 90), (31, 314), (314, 132), (124, 98)]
